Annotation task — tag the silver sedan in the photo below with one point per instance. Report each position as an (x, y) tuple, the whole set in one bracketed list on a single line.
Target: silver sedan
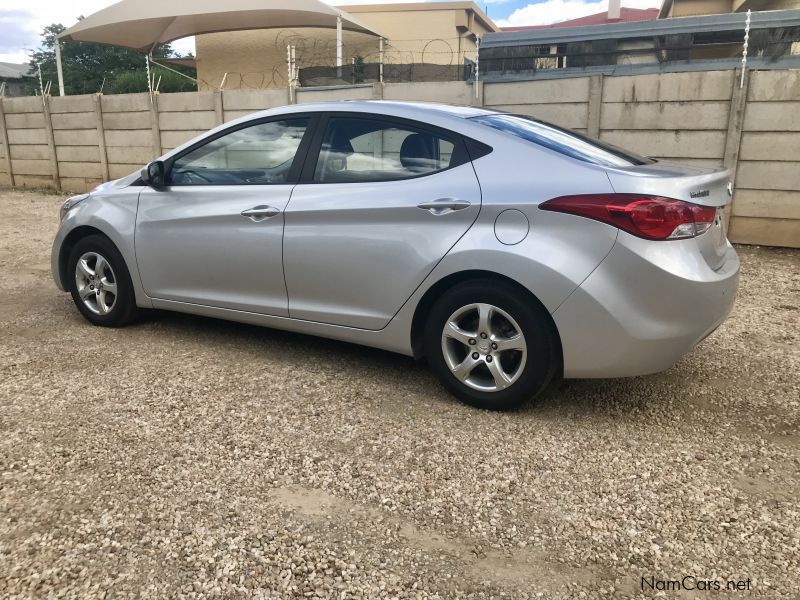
[(504, 250)]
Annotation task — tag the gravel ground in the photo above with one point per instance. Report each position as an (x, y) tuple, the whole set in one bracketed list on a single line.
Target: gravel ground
[(190, 457)]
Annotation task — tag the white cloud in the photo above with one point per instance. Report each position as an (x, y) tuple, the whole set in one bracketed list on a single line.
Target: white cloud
[(22, 21), (555, 11)]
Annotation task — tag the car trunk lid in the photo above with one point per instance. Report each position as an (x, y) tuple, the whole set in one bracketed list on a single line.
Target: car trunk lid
[(707, 187), (703, 186)]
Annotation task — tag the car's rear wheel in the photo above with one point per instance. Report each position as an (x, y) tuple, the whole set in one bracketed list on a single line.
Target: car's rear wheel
[(99, 282), (490, 345)]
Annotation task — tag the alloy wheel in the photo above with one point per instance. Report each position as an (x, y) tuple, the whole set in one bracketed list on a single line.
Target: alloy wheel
[(484, 347), (96, 283)]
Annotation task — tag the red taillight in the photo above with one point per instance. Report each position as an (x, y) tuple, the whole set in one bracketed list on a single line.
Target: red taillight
[(649, 217)]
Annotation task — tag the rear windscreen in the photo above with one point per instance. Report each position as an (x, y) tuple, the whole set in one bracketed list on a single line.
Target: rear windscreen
[(563, 140)]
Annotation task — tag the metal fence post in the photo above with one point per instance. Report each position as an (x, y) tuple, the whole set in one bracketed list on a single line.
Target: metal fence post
[(381, 50), (744, 47), (149, 81), (295, 70), (291, 71), (477, 65), (339, 47), (59, 69)]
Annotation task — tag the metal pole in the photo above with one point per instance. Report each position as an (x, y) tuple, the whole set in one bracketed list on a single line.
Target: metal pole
[(744, 47), (477, 65), (338, 46), (170, 69), (41, 84), (59, 70), (295, 70), (149, 82), (289, 70), (380, 68), (290, 58)]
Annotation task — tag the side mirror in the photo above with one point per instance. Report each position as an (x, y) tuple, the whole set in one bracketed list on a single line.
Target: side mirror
[(154, 176)]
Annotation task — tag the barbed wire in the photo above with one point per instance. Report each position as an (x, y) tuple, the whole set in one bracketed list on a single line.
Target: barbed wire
[(315, 62), (365, 60)]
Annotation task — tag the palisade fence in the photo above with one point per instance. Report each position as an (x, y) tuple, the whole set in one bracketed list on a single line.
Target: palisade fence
[(703, 118)]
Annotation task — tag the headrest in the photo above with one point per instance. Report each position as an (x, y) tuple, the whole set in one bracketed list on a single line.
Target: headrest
[(339, 143), (417, 153)]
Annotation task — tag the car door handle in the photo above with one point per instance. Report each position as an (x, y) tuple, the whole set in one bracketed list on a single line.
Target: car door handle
[(260, 213), (443, 206)]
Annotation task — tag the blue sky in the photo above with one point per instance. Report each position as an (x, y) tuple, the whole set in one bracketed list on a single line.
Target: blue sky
[(507, 13), (21, 21)]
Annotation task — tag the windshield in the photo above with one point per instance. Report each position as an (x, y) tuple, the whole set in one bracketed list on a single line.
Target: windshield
[(563, 140)]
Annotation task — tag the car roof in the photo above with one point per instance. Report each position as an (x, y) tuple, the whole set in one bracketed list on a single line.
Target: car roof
[(387, 107)]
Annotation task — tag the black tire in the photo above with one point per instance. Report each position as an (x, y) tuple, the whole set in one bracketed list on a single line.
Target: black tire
[(123, 309), (542, 347)]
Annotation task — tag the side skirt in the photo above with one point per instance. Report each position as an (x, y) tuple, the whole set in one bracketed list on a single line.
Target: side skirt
[(389, 338)]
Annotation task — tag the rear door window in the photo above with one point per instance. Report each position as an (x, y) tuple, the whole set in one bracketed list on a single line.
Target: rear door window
[(372, 149), (564, 141)]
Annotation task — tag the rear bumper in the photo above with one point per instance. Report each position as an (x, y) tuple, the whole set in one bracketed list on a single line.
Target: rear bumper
[(644, 307)]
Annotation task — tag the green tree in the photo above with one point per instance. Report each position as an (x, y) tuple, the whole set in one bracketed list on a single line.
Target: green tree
[(167, 81), (88, 67)]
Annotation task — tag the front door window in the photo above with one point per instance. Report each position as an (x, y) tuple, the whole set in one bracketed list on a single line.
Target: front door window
[(262, 154)]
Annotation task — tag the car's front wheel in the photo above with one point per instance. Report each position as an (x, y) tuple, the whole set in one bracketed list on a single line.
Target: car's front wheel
[(99, 282), (490, 345)]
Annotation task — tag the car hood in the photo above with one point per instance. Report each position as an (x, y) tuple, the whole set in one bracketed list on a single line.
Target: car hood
[(116, 184)]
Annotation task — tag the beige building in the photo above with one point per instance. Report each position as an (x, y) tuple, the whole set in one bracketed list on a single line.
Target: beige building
[(426, 40), (689, 8)]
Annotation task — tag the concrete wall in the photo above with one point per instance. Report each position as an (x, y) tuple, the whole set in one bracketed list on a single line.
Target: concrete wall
[(76, 142), (699, 118), (767, 207), (676, 117)]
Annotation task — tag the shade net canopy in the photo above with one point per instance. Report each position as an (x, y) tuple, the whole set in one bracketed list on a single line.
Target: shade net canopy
[(143, 24)]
